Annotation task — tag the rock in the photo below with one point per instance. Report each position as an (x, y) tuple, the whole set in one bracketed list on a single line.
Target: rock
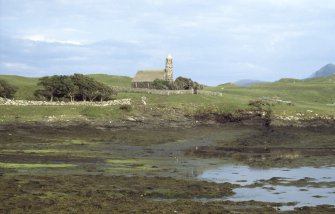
[(131, 119), (7, 102)]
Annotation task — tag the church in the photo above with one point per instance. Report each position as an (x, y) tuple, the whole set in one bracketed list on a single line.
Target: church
[(144, 78)]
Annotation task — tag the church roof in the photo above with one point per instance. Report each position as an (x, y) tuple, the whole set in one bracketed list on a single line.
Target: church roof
[(148, 75)]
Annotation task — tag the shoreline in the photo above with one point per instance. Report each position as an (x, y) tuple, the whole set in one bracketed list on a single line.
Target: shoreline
[(185, 122)]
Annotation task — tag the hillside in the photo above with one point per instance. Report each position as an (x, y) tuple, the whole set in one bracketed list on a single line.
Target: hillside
[(314, 94), (247, 82), (27, 85), (111, 80), (311, 96), (324, 71)]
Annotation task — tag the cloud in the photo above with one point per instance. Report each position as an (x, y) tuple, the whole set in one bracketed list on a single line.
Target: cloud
[(213, 41), (15, 66), (41, 38)]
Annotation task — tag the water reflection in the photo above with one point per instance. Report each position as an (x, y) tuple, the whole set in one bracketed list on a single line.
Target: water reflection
[(244, 175), (302, 195), (283, 194)]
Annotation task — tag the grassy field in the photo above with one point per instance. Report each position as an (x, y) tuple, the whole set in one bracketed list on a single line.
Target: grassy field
[(27, 85), (111, 80), (309, 98), (59, 113)]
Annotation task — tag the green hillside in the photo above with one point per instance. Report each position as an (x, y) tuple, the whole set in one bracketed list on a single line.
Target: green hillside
[(313, 94), (310, 96), (111, 80), (27, 85)]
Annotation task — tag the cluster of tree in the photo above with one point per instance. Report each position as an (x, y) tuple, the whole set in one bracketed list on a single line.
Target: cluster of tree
[(7, 90), (76, 87), (181, 83)]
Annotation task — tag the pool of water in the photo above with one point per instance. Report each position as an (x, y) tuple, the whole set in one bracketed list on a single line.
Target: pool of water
[(302, 195), (244, 175), (309, 196)]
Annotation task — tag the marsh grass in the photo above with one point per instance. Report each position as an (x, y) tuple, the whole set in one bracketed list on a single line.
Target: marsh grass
[(34, 165)]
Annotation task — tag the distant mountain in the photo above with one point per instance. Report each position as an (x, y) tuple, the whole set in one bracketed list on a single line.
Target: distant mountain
[(247, 82), (324, 71)]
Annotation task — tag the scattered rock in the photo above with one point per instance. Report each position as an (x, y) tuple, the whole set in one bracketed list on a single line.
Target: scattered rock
[(8, 102)]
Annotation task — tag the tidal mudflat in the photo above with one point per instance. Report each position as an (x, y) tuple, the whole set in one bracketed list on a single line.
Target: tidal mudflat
[(217, 168), (304, 186)]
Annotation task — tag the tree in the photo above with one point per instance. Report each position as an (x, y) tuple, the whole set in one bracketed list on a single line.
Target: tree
[(7, 90), (75, 87), (52, 86), (183, 83), (162, 85), (49, 87), (71, 89), (82, 82), (105, 92)]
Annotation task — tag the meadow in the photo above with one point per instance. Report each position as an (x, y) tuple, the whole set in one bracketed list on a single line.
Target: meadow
[(310, 98)]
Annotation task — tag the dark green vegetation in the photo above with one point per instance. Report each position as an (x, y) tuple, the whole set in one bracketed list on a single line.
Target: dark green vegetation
[(28, 85), (181, 83), (102, 194), (7, 90), (75, 87), (118, 169)]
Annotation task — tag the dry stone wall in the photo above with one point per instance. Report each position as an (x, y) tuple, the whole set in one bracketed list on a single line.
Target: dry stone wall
[(8, 102), (166, 92)]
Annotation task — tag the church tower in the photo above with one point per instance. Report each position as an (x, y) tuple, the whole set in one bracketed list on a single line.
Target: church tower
[(169, 69)]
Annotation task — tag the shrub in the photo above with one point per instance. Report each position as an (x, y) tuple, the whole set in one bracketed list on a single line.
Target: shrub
[(162, 85), (75, 87), (125, 107), (7, 90)]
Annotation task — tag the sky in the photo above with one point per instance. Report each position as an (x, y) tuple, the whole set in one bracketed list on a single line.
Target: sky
[(212, 41)]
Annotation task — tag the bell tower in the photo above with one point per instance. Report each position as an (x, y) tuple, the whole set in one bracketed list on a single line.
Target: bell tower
[(169, 68)]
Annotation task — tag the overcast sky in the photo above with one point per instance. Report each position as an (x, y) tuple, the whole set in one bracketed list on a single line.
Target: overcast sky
[(211, 41)]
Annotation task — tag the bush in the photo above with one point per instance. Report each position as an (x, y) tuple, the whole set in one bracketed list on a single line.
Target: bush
[(162, 85), (75, 87), (7, 90), (126, 107), (260, 104), (181, 83)]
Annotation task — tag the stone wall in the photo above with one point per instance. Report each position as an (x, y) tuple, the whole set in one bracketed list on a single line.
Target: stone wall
[(9, 102), (141, 84), (166, 92)]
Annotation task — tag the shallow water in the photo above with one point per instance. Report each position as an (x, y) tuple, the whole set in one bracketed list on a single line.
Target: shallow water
[(306, 196), (303, 196), (244, 175)]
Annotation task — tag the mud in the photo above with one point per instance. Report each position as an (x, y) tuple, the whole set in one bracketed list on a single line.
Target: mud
[(277, 147), (138, 169), (110, 194)]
